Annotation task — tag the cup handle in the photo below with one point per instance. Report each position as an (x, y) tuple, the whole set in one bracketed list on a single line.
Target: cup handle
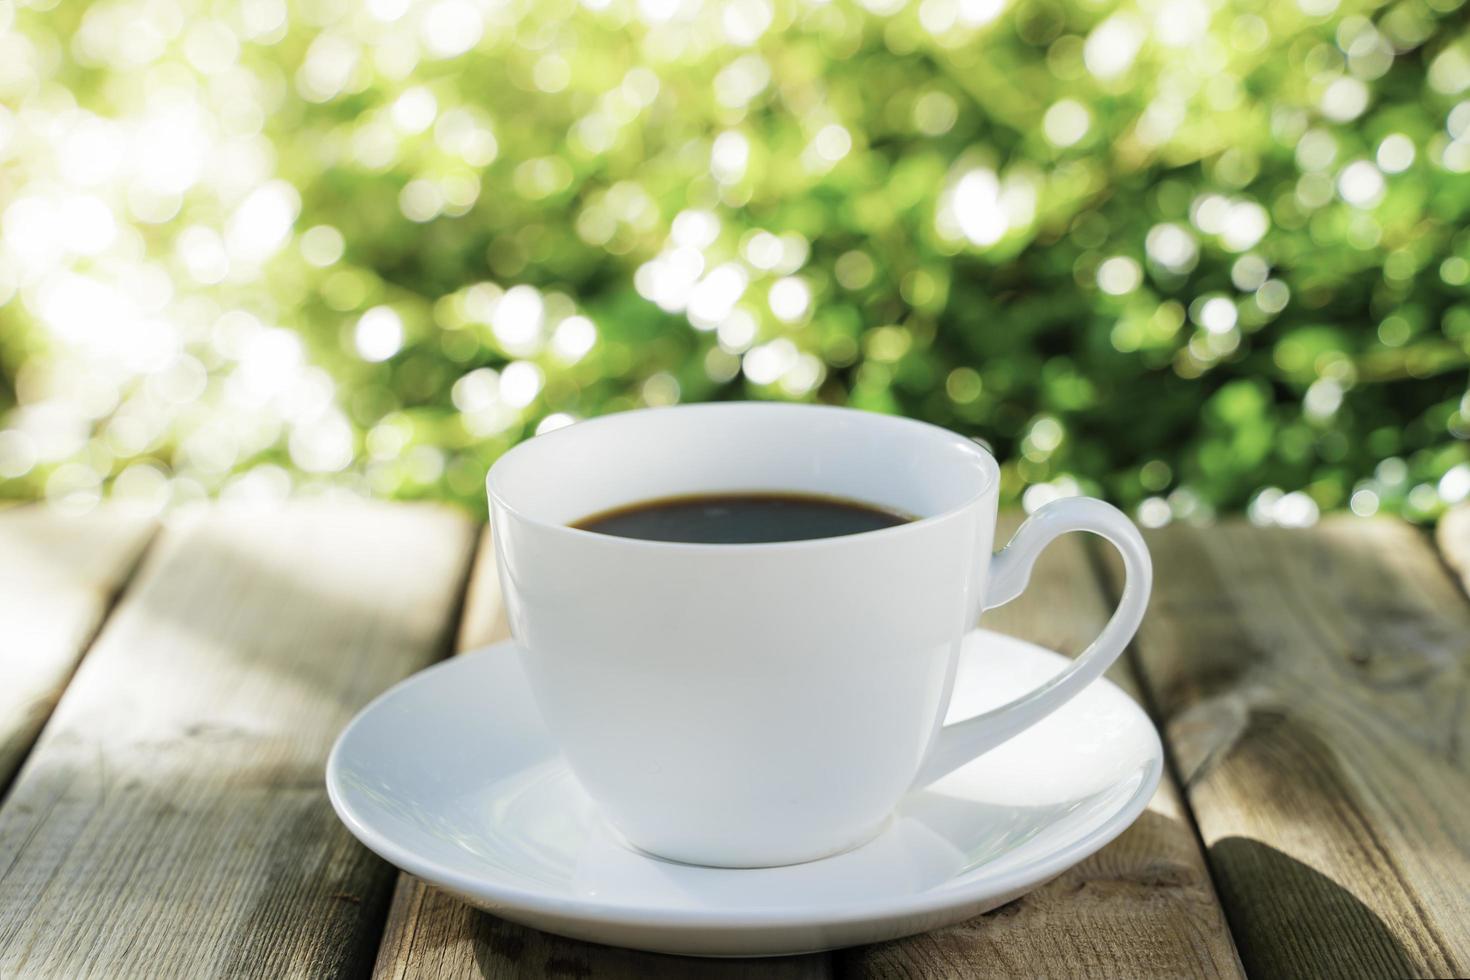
[(1010, 570)]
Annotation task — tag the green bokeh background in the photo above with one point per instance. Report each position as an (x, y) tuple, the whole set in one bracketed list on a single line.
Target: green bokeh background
[(1192, 256)]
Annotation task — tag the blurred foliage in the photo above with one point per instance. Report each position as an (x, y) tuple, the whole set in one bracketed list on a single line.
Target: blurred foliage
[(1190, 255)]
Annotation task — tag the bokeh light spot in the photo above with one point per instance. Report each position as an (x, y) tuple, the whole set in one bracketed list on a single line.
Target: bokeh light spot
[(379, 334), (1066, 123)]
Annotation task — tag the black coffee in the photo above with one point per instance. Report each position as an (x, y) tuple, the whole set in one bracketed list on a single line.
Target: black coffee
[(740, 518)]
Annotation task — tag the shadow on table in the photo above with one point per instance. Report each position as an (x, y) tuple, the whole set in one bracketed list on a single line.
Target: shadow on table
[(1291, 920), (504, 949)]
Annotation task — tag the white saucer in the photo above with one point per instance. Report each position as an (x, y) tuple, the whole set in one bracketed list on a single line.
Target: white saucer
[(451, 776)]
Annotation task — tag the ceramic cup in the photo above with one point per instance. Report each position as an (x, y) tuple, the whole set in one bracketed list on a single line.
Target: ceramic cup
[(763, 704)]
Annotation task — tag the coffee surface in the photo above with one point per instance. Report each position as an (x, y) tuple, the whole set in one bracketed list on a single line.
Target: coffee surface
[(740, 518)]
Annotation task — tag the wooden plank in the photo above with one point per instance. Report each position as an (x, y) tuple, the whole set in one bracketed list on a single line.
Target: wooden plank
[(59, 576), (433, 934), (1315, 685), (172, 820), (1142, 906), (1453, 537)]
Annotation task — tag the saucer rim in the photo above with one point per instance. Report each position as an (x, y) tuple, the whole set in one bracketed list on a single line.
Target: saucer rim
[(973, 885)]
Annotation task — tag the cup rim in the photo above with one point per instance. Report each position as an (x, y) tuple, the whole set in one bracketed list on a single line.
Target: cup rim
[(987, 462)]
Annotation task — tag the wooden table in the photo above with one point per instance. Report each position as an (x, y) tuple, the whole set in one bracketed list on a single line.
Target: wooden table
[(168, 696)]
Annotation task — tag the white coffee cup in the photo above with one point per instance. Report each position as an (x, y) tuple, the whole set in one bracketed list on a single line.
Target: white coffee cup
[(750, 705)]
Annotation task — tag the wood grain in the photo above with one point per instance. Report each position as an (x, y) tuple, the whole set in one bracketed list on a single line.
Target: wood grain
[(172, 820), (1314, 684), (1142, 906), (433, 934), (58, 577)]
